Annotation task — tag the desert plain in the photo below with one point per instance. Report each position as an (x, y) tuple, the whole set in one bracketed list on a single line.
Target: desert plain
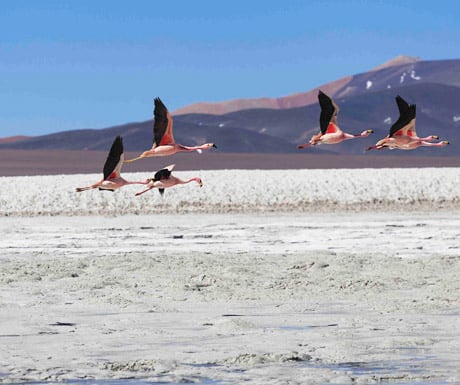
[(281, 276)]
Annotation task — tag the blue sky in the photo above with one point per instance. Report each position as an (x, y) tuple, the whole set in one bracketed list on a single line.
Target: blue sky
[(75, 64)]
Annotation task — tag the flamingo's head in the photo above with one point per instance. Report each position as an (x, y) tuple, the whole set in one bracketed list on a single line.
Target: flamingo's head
[(434, 137), (199, 181), (445, 142), (208, 146), (367, 132)]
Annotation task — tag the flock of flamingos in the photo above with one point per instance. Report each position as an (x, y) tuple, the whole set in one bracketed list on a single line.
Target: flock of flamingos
[(402, 136)]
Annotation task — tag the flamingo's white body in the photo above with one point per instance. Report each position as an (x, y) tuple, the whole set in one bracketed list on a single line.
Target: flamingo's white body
[(163, 138), (112, 179), (330, 132)]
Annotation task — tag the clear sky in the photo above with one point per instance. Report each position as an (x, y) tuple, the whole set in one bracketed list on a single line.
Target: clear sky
[(95, 63)]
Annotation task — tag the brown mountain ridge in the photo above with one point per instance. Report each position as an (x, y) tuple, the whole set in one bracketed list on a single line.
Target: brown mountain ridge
[(277, 125)]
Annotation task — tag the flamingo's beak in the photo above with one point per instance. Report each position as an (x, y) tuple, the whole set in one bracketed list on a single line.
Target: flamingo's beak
[(200, 182), (370, 131), (435, 137), (214, 146), (446, 142)]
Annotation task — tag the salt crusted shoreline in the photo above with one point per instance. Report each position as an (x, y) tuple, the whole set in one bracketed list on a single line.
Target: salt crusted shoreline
[(243, 191)]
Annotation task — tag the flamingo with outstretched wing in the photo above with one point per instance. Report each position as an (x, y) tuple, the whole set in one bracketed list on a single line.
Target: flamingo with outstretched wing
[(112, 179), (164, 179), (330, 133), (163, 138), (403, 135)]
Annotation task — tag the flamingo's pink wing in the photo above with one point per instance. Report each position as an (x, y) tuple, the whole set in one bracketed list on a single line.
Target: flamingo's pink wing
[(162, 125), (410, 129), (114, 161), (398, 133), (329, 109), (406, 117), (333, 129)]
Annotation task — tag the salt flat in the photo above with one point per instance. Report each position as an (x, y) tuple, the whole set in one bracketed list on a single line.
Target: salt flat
[(311, 279), (244, 191)]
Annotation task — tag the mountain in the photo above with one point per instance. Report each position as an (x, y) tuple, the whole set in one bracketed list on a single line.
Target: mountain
[(267, 125), (397, 72), (12, 139)]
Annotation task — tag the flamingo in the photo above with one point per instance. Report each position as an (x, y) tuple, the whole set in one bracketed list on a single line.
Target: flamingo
[(163, 139), (164, 179), (402, 133), (112, 167), (330, 131)]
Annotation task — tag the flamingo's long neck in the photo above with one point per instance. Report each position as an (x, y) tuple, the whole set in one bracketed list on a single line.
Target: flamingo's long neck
[(429, 144), (183, 148), (361, 135), (137, 182), (429, 138), (181, 181)]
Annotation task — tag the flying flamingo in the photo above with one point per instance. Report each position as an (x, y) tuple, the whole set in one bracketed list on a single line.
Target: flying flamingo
[(163, 139), (330, 131), (164, 179), (112, 167), (402, 133)]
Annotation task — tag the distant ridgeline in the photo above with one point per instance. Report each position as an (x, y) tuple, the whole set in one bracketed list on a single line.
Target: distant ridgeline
[(278, 125)]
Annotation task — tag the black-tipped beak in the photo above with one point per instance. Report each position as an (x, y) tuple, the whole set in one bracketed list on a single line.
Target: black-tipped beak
[(214, 146)]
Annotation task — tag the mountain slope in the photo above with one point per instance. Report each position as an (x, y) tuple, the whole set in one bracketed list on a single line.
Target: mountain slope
[(438, 112), (366, 101), (402, 70)]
